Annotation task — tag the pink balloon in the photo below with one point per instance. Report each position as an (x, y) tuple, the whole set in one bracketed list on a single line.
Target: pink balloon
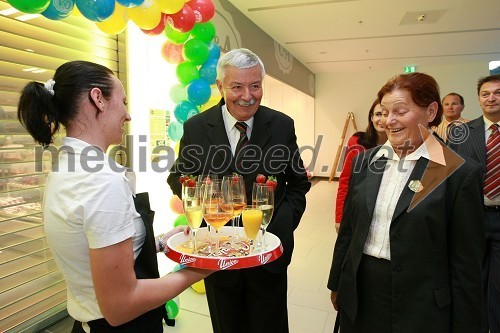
[(176, 205), (203, 10), (183, 20), (172, 52)]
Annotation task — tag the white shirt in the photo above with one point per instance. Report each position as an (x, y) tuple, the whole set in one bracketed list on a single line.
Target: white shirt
[(232, 132), (394, 179), (487, 132), (87, 204)]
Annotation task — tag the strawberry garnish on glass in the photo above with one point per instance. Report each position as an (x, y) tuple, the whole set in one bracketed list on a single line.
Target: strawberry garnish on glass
[(272, 183), (261, 179)]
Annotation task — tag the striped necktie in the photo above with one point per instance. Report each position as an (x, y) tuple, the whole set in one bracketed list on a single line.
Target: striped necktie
[(492, 179), (242, 128)]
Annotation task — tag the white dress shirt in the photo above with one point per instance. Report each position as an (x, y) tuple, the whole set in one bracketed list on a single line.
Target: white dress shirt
[(395, 178), (232, 132)]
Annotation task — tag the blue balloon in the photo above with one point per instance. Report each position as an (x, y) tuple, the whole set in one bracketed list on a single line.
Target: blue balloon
[(96, 10), (175, 131), (59, 9), (199, 91), (185, 110), (208, 71), (213, 51), (130, 3)]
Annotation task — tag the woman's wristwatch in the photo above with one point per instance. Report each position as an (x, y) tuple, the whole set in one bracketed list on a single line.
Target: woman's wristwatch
[(162, 244)]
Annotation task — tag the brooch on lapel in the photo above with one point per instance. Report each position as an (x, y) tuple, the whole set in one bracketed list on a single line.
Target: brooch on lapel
[(416, 186)]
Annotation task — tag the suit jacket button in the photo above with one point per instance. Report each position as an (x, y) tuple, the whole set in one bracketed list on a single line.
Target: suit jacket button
[(397, 268), (399, 297), (397, 236)]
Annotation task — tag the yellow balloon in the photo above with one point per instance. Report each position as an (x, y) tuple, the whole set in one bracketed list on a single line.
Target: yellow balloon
[(147, 16), (171, 6), (116, 23), (76, 12), (176, 148), (199, 287)]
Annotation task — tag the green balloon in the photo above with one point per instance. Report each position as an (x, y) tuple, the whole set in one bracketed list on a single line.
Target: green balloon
[(204, 31), (180, 220), (172, 307), (196, 51), (186, 72), (30, 6), (175, 36), (178, 93)]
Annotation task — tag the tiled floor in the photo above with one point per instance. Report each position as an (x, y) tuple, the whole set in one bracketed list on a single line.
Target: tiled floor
[(309, 307)]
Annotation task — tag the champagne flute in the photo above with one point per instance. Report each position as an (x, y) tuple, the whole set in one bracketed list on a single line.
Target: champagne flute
[(202, 180), (217, 207), (263, 197), (237, 188), (191, 202), (252, 220)]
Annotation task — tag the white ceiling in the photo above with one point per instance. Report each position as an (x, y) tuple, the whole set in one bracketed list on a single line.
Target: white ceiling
[(358, 35)]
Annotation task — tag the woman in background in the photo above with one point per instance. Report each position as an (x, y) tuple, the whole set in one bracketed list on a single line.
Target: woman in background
[(100, 236), (360, 141)]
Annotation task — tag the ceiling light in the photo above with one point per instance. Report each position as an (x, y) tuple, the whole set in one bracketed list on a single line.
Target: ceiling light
[(31, 69), (27, 17), (29, 50), (8, 11)]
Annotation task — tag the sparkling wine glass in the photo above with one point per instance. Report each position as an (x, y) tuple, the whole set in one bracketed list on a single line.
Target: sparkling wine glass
[(202, 180), (217, 207), (252, 220), (237, 187), (263, 199), (191, 202)]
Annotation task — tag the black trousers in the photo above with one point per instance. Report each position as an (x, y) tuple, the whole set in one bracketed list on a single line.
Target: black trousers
[(375, 298), (491, 273), (251, 300)]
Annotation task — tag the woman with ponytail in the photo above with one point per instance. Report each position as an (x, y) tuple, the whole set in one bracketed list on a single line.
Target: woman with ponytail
[(99, 231)]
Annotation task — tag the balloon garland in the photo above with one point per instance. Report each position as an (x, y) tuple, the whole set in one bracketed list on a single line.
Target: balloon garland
[(189, 41)]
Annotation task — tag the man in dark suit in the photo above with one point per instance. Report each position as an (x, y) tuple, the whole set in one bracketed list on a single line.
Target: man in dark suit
[(479, 134), (254, 299)]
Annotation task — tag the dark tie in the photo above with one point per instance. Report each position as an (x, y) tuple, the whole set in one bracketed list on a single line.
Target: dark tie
[(242, 128), (492, 179)]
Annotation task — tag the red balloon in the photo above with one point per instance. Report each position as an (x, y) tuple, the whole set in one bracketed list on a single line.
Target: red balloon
[(183, 20), (159, 28), (203, 10), (172, 53)]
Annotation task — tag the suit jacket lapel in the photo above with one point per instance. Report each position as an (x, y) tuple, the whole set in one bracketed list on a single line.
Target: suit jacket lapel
[(407, 194), (373, 183), (261, 133), (477, 139), (217, 136)]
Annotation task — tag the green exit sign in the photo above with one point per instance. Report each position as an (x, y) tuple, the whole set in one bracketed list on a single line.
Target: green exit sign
[(410, 69)]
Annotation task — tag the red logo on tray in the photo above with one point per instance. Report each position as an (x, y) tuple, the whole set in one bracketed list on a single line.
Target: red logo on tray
[(225, 264), (186, 260), (264, 258)]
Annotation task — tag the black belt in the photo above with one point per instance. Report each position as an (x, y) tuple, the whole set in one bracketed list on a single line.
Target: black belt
[(496, 208)]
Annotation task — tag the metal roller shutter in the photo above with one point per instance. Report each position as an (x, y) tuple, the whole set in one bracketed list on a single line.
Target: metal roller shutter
[(32, 289)]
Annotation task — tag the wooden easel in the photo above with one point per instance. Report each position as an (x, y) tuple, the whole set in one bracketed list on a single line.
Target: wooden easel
[(350, 116)]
